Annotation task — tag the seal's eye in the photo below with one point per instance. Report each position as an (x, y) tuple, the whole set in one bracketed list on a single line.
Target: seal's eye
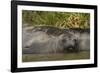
[(75, 40), (63, 40)]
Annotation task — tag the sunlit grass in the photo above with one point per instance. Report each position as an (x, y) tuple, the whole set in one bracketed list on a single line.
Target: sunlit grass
[(57, 19)]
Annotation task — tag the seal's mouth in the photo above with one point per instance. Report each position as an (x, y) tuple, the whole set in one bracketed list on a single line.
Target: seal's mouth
[(27, 47), (69, 49)]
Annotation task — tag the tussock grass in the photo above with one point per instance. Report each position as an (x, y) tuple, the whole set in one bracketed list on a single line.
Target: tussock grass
[(57, 19)]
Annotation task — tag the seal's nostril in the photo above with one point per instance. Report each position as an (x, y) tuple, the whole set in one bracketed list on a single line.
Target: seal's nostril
[(63, 40), (74, 40)]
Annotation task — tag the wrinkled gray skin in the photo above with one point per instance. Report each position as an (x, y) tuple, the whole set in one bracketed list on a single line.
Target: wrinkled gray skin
[(45, 40), (83, 40)]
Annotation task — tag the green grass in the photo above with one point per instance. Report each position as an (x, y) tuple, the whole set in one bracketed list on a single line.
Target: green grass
[(55, 57), (57, 19)]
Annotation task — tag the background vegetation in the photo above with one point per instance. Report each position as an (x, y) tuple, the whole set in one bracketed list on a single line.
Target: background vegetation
[(56, 19)]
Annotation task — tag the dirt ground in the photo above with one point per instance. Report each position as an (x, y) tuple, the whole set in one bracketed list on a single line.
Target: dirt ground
[(55, 57)]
